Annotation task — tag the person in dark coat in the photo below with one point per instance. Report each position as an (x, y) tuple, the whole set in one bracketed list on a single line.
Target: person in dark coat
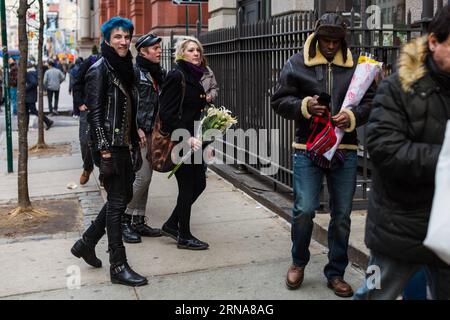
[(149, 76), (405, 134), (325, 65), (78, 95), (31, 96), (72, 76), (190, 177)]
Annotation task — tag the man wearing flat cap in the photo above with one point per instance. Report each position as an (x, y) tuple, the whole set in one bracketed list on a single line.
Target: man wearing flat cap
[(149, 77), (325, 65)]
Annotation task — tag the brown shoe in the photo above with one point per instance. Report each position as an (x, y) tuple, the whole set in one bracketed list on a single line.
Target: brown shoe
[(294, 277), (340, 287), (84, 178)]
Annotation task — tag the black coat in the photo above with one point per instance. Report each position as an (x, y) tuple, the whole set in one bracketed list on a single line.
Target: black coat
[(405, 133), (109, 108), (303, 77), (170, 99), (79, 80), (31, 86)]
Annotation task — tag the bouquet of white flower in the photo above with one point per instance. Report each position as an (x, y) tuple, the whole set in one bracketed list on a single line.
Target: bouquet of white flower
[(215, 119)]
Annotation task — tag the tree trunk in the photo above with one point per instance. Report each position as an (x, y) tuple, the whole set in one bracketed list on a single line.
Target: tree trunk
[(41, 142), (24, 202)]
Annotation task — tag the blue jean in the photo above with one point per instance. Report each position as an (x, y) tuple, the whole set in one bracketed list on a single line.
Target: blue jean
[(86, 154), (394, 275), (416, 288), (13, 94), (341, 180)]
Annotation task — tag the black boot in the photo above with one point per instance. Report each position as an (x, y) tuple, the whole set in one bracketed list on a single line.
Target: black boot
[(129, 235), (85, 247), (191, 244), (120, 271), (143, 229)]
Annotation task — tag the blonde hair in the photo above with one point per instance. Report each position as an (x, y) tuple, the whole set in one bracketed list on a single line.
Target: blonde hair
[(181, 45)]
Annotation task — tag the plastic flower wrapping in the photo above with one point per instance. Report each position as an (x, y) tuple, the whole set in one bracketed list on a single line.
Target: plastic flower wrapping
[(365, 73)]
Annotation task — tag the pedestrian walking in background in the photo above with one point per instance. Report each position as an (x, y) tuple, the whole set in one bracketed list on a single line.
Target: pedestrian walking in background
[(52, 83), (110, 99), (405, 133), (72, 76), (13, 72), (149, 77), (1, 89), (182, 102), (307, 74), (31, 95), (209, 83), (79, 97)]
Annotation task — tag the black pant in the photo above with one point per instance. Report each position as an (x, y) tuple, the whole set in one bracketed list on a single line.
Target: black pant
[(50, 94), (120, 192), (31, 109), (88, 163), (191, 183)]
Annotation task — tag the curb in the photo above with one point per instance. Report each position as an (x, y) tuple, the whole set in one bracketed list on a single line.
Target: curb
[(281, 204)]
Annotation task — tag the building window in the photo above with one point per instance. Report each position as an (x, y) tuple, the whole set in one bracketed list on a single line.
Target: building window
[(255, 10)]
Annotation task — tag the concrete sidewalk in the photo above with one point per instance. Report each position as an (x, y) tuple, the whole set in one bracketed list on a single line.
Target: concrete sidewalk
[(249, 244)]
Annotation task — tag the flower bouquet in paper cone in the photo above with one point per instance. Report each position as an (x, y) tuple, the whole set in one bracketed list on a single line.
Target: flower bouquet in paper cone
[(215, 119)]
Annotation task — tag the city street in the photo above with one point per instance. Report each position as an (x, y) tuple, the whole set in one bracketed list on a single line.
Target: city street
[(249, 245)]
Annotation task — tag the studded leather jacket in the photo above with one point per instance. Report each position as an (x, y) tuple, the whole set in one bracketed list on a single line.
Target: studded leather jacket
[(111, 110)]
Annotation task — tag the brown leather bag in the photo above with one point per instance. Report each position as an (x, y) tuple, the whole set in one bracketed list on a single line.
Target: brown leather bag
[(159, 152)]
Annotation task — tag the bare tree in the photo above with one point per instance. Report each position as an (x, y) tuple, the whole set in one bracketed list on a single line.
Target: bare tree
[(24, 203), (41, 141)]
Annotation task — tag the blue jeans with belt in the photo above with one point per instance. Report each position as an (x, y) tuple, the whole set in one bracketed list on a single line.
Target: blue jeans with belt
[(341, 180)]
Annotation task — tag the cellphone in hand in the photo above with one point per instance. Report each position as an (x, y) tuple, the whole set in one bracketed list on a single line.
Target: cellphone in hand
[(324, 100)]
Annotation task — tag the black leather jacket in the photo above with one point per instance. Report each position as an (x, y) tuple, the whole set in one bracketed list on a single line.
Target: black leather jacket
[(147, 99), (111, 111)]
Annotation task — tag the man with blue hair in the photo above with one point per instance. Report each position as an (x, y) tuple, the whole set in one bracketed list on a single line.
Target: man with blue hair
[(110, 101)]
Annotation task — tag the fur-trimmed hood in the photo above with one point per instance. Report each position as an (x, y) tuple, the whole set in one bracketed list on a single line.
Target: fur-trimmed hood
[(411, 64), (320, 59)]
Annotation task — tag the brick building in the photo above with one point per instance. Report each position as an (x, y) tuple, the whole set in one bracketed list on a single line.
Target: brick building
[(158, 16)]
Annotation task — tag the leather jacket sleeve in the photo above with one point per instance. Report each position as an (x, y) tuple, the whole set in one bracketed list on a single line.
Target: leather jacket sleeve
[(390, 144), (95, 89), (288, 97)]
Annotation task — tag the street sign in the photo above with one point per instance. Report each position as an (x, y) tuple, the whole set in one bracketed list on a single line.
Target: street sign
[(189, 1)]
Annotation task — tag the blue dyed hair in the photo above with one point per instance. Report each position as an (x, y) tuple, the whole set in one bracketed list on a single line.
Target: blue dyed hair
[(116, 23)]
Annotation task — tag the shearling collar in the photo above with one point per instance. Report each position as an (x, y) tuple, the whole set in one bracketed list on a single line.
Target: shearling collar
[(411, 64), (320, 59)]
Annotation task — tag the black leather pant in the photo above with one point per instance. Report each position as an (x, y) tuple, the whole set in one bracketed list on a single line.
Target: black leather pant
[(120, 192)]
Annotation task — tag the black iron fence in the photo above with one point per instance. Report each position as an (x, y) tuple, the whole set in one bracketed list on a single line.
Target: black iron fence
[(247, 60)]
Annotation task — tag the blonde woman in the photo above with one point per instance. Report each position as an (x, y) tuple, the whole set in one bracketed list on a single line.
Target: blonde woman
[(192, 98)]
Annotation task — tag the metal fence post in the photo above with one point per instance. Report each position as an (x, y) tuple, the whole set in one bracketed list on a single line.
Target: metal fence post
[(6, 88)]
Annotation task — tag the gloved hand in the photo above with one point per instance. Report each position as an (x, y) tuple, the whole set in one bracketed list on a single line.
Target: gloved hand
[(106, 167), (136, 159)]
